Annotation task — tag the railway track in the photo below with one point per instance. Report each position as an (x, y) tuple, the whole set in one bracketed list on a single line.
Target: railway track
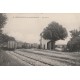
[(12, 55), (68, 60), (47, 59), (51, 54), (31, 58), (28, 60)]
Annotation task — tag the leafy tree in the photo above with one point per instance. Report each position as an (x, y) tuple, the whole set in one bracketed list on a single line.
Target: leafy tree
[(74, 43), (54, 32), (6, 38), (74, 33), (3, 19)]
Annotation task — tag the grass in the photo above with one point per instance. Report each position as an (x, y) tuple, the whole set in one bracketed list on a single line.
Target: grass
[(6, 60), (3, 58)]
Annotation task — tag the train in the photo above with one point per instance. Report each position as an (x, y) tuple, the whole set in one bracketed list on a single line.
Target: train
[(12, 45)]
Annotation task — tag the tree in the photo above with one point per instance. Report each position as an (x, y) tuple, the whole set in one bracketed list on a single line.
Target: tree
[(74, 33), (54, 32), (74, 43), (6, 38), (3, 19)]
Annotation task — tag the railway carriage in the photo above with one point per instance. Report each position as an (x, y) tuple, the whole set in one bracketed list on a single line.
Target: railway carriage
[(10, 45)]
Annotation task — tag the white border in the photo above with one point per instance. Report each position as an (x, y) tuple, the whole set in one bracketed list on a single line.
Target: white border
[(40, 6), (39, 73)]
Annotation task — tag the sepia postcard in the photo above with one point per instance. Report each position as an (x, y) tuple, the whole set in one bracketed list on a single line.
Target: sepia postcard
[(39, 39)]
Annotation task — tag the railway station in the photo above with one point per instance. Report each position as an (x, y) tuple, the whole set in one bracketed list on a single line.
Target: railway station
[(39, 39)]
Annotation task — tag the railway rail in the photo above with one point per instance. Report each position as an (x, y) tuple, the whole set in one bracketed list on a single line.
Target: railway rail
[(35, 58), (28, 60), (63, 58), (47, 59)]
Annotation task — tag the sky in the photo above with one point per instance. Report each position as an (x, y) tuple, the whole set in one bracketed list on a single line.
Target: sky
[(27, 27)]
